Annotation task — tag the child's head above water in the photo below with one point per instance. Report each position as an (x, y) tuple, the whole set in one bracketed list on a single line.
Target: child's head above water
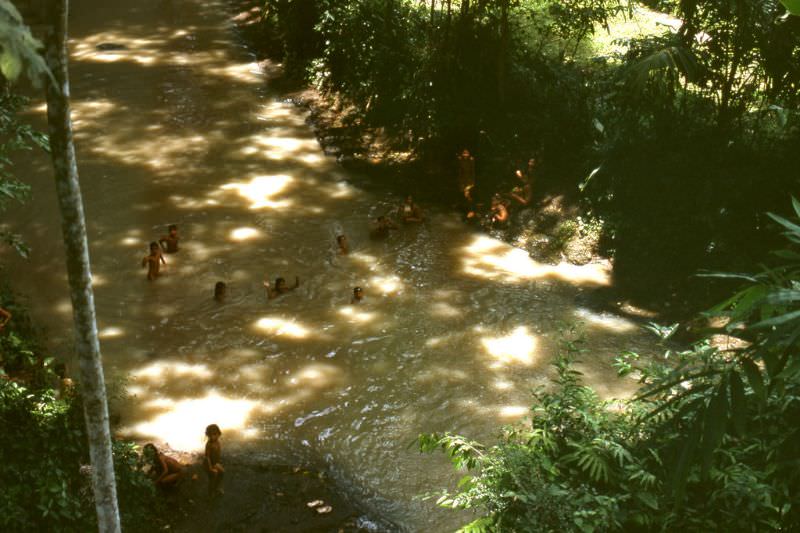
[(219, 290), (154, 246), (173, 229)]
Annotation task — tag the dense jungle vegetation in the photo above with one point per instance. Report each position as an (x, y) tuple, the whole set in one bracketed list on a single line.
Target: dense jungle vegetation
[(679, 138)]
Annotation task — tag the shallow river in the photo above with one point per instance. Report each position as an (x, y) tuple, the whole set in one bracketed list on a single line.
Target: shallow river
[(179, 126)]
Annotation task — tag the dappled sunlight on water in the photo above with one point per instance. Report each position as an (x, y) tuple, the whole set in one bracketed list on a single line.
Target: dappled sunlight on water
[(282, 328), (491, 259), (605, 321), (245, 234), (518, 347), (179, 423), (261, 190)]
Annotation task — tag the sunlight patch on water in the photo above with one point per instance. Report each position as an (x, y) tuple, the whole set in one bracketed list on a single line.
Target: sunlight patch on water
[(445, 310), (316, 375), (518, 347), (356, 315), (244, 234), (387, 284), (260, 190), (440, 374), (279, 147), (340, 190), (161, 370), (83, 111), (282, 327), (131, 241), (182, 423), (110, 332), (501, 384), (495, 260), (242, 72), (603, 321), (513, 411)]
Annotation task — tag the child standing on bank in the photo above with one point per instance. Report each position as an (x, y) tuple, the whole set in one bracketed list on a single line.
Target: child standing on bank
[(212, 462)]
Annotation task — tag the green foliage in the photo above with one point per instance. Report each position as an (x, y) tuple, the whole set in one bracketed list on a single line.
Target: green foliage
[(44, 452), (19, 50), (709, 443), (14, 137)]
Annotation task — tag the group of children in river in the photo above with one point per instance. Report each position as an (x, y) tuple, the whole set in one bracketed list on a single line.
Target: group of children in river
[(408, 212), (167, 471), (499, 212)]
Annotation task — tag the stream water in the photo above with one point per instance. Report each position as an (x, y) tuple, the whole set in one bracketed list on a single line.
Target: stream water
[(175, 123)]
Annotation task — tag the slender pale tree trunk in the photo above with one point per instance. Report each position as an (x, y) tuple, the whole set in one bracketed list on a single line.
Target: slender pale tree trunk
[(73, 224)]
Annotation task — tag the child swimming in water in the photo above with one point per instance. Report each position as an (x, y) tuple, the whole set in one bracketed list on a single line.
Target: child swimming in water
[(280, 287), (409, 211), (358, 295), (382, 227), (153, 261), (169, 242), (219, 291), (344, 248)]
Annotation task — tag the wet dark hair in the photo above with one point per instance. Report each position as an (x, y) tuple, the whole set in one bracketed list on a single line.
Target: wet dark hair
[(172, 227), (382, 217), (340, 238), (154, 462), (219, 288), (278, 281), (213, 429), (358, 290), (152, 244)]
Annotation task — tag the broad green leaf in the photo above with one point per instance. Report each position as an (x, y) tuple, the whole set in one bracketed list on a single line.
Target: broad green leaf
[(778, 320), (754, 378), (793, 7), (10, 65), (738, 403), (714, 423), (792, 227)]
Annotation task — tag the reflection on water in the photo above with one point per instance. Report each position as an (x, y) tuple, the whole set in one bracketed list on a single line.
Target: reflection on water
[(454, 331)]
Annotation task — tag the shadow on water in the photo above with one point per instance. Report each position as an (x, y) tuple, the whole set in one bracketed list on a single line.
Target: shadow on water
[(174, 124)]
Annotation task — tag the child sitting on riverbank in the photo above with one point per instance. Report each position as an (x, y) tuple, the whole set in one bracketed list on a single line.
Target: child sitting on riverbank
[(166, 471), (212, 459)]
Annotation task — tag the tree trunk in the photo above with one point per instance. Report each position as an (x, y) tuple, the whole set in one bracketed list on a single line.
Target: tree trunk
[(433, 11), (87, 346)]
